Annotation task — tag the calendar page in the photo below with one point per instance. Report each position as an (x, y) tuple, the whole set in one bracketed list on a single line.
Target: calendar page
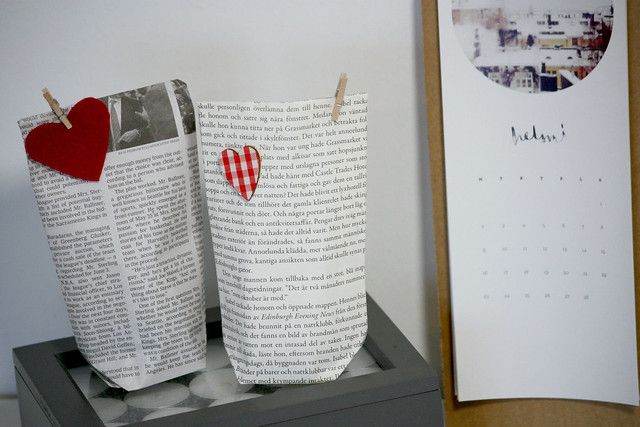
[(536, 131)]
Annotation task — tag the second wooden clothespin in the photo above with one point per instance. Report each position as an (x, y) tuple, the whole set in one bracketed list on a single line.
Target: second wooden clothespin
[(55, 107), (342, 85)]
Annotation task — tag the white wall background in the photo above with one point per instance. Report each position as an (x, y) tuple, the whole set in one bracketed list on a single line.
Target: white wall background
[(225, 50)]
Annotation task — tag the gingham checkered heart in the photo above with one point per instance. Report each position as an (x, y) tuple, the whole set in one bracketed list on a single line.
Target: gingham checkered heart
[(242, 170)]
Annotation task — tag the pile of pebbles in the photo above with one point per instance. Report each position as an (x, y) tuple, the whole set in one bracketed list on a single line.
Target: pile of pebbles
[(213, 386)]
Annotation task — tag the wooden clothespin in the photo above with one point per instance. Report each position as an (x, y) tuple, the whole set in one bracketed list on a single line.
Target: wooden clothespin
[(55, 107), (342, 85)]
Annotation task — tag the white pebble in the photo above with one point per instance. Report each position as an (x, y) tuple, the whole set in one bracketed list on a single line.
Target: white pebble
[(216, 354), (107, 408), (157, 396), (217, 384)]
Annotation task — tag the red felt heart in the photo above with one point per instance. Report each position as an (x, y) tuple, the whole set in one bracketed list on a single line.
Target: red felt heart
[(242, 170), (80, 151)]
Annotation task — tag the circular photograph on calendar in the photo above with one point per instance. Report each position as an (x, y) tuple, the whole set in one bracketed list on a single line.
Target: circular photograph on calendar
[(534, 46)]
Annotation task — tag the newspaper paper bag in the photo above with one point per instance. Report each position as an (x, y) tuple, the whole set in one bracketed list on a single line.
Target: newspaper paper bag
[(289, 261), (128, 248)]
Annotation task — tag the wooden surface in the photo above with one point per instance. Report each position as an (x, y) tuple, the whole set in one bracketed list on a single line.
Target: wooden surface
[(517, 412)]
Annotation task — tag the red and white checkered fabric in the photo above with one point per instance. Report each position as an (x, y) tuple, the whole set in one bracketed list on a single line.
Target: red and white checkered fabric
[(242, 170)]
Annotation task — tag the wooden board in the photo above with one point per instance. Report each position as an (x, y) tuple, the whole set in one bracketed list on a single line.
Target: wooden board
[(517, 412)]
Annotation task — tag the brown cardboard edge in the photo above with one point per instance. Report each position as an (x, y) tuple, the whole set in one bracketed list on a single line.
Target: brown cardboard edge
[(436, 158), (521, 412)]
